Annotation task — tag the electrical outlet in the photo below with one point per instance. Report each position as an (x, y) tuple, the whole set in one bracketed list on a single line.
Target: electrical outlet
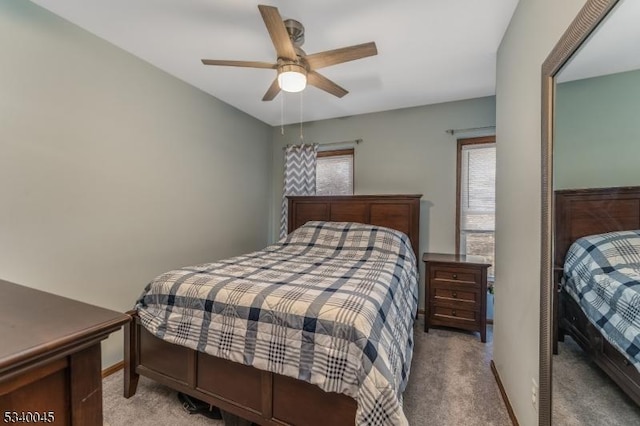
[(534, 393)]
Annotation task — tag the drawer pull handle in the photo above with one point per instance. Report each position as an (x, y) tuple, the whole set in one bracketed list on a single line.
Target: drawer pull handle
[(455, 295), (455, 276), (453, 312)]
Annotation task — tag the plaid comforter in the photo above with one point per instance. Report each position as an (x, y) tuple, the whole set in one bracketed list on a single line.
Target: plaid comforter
[(332, 304), (602, 273)]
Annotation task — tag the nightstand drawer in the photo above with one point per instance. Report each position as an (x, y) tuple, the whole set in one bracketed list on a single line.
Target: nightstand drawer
[(452, 295), (458, 275), (453, 314)]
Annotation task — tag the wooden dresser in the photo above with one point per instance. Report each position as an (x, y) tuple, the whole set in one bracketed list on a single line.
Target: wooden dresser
[(456, 292), (50, 361)]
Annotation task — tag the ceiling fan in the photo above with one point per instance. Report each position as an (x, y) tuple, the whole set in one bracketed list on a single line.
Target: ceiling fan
[(296, 68)]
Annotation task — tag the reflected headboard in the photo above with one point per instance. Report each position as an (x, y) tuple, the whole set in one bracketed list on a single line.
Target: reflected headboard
[(400, 212), (581, 212)]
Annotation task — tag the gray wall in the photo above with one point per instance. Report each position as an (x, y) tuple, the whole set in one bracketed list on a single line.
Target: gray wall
[(597, 132), (112, 171), (534, 29), (404, 151)]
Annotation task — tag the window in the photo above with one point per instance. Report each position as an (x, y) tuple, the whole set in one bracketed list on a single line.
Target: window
[(476, 198), (334, 172)]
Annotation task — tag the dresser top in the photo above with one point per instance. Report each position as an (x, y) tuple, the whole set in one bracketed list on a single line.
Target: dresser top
[(454, 258), (34, 323)]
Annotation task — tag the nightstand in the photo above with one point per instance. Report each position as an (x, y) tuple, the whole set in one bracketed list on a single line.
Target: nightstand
[(456, 292)]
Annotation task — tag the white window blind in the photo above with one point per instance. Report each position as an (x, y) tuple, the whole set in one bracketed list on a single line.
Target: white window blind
[(478, 201), (334, 174)]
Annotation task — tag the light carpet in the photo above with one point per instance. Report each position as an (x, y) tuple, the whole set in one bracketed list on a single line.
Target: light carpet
[(583, 395), (451, 383)]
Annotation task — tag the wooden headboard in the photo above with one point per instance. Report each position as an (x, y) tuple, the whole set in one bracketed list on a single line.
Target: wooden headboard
[(400, 212), (581, 212)]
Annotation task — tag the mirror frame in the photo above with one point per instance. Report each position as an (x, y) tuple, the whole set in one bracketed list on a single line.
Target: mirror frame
[(589, 17)]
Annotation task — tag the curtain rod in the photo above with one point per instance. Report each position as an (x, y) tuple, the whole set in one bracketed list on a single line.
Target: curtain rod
[(454, 131), (356, 141)]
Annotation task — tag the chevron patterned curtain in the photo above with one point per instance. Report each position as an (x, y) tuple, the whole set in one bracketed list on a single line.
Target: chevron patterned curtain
[(299, 176)]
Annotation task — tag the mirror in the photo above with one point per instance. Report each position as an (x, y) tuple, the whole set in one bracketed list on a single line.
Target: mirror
[(591, 185)]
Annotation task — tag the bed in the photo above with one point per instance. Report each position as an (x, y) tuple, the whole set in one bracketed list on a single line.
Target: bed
[(354, 373), (596, 249)]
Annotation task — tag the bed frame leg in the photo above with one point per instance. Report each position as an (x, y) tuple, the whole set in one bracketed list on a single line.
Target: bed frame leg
[(130, 358)]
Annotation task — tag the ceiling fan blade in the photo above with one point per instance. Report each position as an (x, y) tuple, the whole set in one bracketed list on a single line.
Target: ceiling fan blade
[(325, 84), (272, 92), (248, 64), (278, 32), (338, 56)]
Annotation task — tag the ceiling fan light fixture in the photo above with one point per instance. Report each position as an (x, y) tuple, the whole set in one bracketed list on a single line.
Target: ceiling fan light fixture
[(292, 78)]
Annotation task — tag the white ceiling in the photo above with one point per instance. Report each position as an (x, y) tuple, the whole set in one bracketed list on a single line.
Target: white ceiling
[(429, 51), (611, 48)]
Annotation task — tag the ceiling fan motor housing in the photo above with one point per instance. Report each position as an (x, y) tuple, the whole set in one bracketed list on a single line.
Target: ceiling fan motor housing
[(295, 30)]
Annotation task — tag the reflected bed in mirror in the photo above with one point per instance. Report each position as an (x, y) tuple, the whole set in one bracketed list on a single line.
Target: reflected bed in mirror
[(591, 152), (596, 252)]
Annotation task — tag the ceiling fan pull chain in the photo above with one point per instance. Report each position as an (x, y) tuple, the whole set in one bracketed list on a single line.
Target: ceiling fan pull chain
[(282, 115), (301, 105)]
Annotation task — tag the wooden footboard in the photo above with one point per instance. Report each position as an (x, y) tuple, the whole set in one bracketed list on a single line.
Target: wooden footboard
[(259, 396)]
